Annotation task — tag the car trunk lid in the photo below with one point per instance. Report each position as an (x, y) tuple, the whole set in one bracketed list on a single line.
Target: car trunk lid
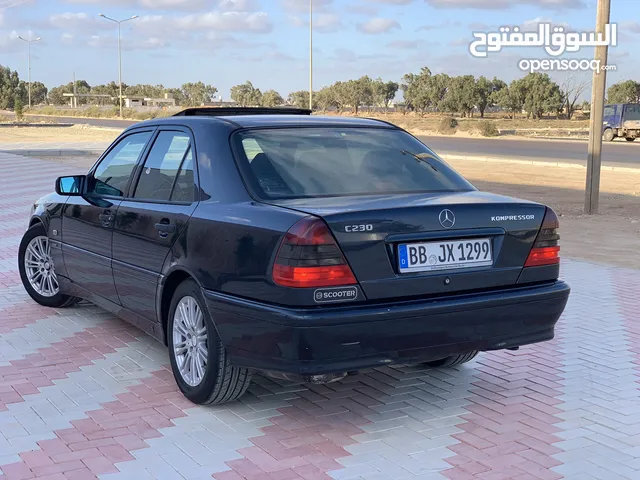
[(377, 233)]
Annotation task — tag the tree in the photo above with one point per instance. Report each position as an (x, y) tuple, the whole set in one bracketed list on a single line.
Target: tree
[(271, 98), (511, 98), (299, 99), (112, 89), (9, 87), (56, 96), (357, 93), (384, 92), (460, 95), (196, 94), (147, 91), (572, 89), (246, 94), (541, 95), (416, 90), (624, 92), (327, 98), (38, 93), (486, 91)]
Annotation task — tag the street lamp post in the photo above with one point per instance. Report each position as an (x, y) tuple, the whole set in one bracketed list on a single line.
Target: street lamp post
[(119, 22), (29, 42), (310, 54)]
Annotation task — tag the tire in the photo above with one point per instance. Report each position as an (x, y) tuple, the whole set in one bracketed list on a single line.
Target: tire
[(631, 139), (220, 382), (33, 236), (453, 361), (608, 135)]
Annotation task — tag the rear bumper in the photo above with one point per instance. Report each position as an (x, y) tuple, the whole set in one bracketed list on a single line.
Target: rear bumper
[(342, 339)]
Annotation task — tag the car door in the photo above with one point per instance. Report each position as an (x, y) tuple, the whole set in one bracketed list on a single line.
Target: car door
[(611, 116), (87, 220), (150, 220)]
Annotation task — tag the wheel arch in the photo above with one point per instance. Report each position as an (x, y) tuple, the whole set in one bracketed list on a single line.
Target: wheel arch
[(171, 282)]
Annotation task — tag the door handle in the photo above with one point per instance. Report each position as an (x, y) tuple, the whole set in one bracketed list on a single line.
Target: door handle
[(106, 219), (165, 228)]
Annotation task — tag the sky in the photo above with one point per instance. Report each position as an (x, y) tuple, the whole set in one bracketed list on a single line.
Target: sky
[(226, 42)]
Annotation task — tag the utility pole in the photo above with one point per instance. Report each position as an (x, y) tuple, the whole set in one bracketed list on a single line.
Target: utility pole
[(310, 54), (29, 42), (599, 84), (119, 22)]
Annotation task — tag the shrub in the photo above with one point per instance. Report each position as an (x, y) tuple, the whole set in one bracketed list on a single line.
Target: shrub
[(448, 126), (18, 108), (489, 129)]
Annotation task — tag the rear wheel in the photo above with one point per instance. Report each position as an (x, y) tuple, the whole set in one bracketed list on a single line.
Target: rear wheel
[(608, 135), (453, 360), (199, 362), (631, 139), (37, 270)]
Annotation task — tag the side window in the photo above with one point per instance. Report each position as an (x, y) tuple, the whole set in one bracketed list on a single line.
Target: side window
[(609, 111), (163, 170), (113, 173), (184, 189)]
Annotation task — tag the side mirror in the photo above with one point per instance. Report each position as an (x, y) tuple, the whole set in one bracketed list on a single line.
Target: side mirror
[(70, 185)]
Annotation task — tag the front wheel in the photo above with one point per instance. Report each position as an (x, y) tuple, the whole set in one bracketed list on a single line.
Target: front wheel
[(37, 270), (453, 360), (198, 359), (608, 135), (631, 139)]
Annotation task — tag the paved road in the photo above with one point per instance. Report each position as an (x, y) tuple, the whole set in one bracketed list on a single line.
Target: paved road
[(618, 152), (82, 396), (566, 150)]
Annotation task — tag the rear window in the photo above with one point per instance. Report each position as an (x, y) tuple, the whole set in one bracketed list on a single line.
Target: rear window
[(314, 162)]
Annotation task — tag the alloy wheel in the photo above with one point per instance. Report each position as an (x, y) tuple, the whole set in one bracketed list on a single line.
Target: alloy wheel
[(190, 341), (39, 267)]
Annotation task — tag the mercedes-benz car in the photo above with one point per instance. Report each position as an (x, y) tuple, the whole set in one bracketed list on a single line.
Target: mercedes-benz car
[(304, 247)]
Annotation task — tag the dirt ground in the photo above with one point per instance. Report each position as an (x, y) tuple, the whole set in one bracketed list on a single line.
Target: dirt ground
[(75, 133), (612, 236)]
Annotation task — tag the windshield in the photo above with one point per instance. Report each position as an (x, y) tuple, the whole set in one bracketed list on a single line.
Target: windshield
[(312, 162)]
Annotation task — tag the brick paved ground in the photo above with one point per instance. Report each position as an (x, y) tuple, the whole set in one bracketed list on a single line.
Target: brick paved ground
[(83, 395)]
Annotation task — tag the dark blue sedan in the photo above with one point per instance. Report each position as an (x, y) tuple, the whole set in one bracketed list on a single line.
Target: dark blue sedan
[(304, 247)]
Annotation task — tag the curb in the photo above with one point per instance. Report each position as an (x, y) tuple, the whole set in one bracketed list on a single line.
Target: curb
[(551, 163)]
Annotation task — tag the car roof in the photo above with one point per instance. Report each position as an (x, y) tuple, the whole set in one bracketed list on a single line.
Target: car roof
[(256, 121)]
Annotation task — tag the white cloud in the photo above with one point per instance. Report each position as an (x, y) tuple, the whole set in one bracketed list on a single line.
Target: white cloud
[(227, 21), (502, 4), (378, 25), (67, 38), (322, 22), (179, 5), (303, 5), (633, 26), (392, 2), (150, 43), (405, 44), (8, 41)]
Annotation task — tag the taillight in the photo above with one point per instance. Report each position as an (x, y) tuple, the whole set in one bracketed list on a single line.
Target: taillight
[(546, 250), (310, 257)]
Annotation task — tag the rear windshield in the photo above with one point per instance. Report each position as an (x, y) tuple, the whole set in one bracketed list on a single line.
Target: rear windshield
[(314, 162)]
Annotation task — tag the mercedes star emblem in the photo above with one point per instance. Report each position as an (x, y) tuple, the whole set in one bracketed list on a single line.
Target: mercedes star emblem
[(447, 218)]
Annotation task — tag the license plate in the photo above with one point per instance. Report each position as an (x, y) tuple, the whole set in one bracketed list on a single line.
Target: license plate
[(431, 256)]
